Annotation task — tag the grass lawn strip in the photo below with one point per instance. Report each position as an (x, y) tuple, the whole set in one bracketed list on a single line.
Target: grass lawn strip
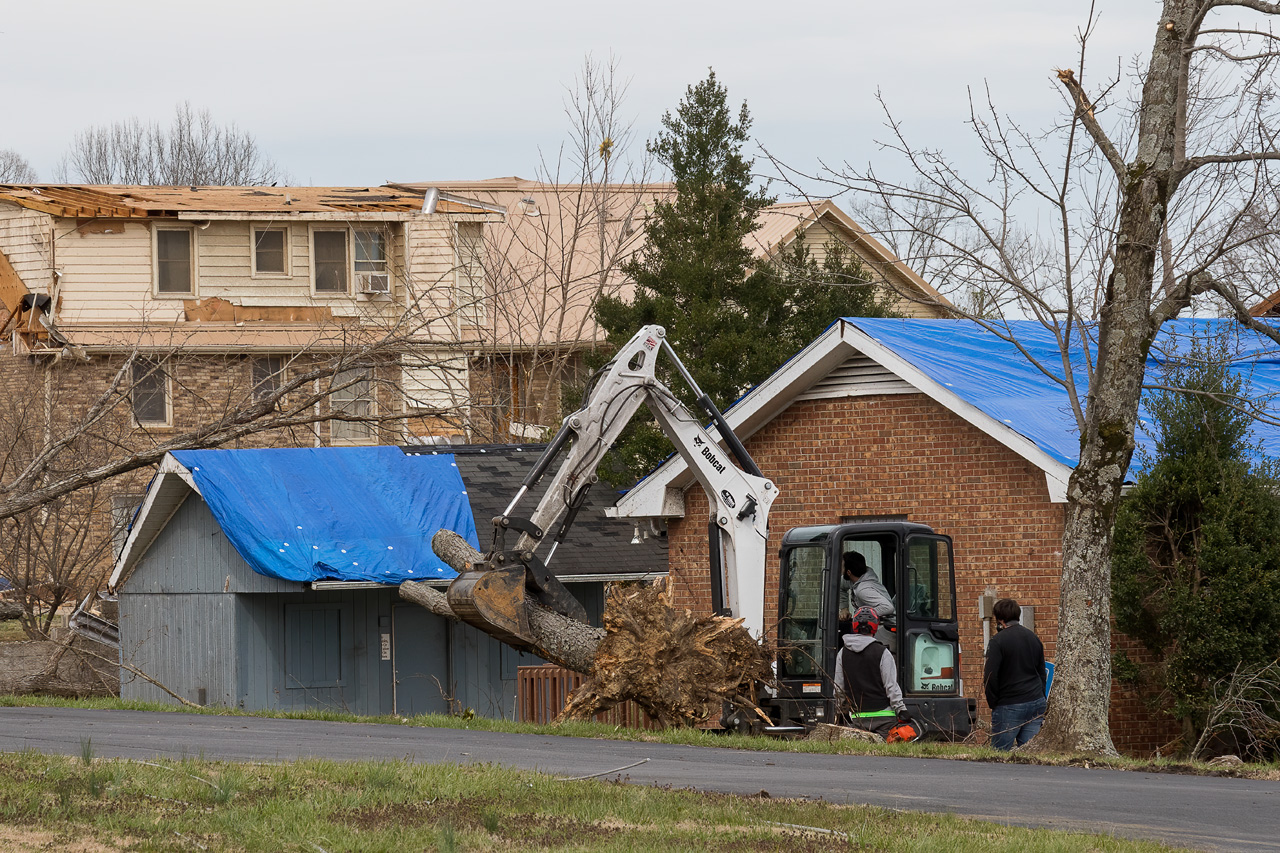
[(93, 805)]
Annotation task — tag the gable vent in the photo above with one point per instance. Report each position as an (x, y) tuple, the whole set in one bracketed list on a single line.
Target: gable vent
[(857, 376)]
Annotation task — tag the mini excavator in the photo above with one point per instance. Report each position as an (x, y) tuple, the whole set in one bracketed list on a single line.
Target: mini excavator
[(913, 562)]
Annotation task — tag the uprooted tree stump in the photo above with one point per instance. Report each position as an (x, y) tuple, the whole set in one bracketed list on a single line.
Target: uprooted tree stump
[(677, 666)]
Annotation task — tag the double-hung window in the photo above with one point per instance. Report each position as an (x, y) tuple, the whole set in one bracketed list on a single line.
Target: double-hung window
[(266, 374), (149, 393), (469, 282), (270, 251), (175, 261), (371, 262), (352, 396), (330, 260)]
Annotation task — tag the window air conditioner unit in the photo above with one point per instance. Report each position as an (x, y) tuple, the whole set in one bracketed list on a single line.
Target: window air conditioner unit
[(375, 282)]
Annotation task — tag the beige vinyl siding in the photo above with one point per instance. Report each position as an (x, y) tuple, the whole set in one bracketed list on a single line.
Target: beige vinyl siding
[(439, 382), (821, 232), (107, 278), (429, 264), (26, 238), (226, 267)]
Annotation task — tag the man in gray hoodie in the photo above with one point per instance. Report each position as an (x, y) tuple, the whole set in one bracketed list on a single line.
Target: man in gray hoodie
[(863, 589), (868, 679)]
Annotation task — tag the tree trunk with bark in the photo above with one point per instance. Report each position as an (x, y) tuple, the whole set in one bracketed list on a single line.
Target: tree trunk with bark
[(676, 666), (1129, 319)]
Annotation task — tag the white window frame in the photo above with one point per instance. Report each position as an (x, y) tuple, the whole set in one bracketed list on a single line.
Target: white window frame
[(311, 240), (124, 508), (351, 429), (253, 251), (156, 229), (162, 365), (373, 267), (470, 311)]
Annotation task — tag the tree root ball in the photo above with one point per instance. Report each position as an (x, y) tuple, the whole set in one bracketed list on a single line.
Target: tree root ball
[(678, 667)]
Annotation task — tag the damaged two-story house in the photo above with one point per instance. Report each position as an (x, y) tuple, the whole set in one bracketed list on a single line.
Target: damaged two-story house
[(133, 316)]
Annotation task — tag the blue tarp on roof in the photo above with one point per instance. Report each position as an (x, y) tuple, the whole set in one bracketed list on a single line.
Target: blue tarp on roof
[(990, 373), (324, 513)]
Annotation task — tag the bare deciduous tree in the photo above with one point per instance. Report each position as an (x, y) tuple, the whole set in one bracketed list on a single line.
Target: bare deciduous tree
[(562, 247), (194, 150), (14, 168), (1157, 195)]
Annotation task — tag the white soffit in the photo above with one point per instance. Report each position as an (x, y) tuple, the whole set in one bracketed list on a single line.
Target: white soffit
[(171, 486)]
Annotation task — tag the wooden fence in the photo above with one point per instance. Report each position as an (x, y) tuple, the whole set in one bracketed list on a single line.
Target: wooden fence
[(542, 691)]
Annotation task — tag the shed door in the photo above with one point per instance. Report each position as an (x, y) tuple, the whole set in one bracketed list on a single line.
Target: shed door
[(420, 655)]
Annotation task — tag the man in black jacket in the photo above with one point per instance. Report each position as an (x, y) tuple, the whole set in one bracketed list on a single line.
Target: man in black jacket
[(1014, 679)]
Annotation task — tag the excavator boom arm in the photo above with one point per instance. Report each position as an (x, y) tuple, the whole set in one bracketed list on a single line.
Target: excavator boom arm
[(492, 595)]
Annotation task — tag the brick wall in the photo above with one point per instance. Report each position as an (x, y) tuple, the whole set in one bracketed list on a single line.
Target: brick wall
[(40, 400), (905, 455)]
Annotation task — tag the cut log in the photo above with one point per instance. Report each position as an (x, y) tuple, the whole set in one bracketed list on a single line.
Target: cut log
[(678, 667), (10, 609)]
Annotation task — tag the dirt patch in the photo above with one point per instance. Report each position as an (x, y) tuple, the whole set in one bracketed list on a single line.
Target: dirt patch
[(58, 670), (16, 840)]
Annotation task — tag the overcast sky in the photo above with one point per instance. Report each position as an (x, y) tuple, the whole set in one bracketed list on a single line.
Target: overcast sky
[(358, 93)]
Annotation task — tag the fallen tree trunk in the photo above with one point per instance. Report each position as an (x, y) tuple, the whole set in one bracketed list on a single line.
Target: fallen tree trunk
[(677, 666), (561, 640)]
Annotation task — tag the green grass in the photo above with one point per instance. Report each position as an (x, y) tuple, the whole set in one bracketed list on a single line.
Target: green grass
[(679, 736), (374, 806), (11, 631)]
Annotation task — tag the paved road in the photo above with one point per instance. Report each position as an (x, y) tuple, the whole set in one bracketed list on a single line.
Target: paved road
[(1205, 813)]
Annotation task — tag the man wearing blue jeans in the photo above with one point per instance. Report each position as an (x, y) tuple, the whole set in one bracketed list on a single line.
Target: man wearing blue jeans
[(1014, 678)]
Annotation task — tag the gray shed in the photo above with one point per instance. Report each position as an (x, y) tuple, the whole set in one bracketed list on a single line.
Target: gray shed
[(198, 618)]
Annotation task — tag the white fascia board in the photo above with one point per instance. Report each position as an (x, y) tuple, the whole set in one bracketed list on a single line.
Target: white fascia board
[(661, 494), (171, 486), (605, 577)]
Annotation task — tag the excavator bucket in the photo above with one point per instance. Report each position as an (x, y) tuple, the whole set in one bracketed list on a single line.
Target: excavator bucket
[(493, 600)]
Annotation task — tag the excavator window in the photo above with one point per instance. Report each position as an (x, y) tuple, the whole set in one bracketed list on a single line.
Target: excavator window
[(879, 552), (929, 579), (800, 632)]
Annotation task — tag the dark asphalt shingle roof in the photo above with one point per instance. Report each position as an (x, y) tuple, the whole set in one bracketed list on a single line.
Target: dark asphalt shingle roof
[(596, 544)]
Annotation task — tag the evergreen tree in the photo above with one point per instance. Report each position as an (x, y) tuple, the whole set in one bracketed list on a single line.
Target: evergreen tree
[(1196, 565), (731, 325)]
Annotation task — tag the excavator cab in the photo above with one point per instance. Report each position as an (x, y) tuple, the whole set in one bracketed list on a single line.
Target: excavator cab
[(915, 566)]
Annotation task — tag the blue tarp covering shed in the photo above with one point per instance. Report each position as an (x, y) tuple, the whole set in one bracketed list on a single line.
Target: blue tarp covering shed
[(356, 513), (990, 373)]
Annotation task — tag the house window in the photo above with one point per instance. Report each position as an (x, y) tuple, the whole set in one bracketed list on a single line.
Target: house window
[(329, 255), (469, 283), (352, 396), (270, 251), (123, 509), (266, 375), (371, 262), (150, 393), (174, 269)]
